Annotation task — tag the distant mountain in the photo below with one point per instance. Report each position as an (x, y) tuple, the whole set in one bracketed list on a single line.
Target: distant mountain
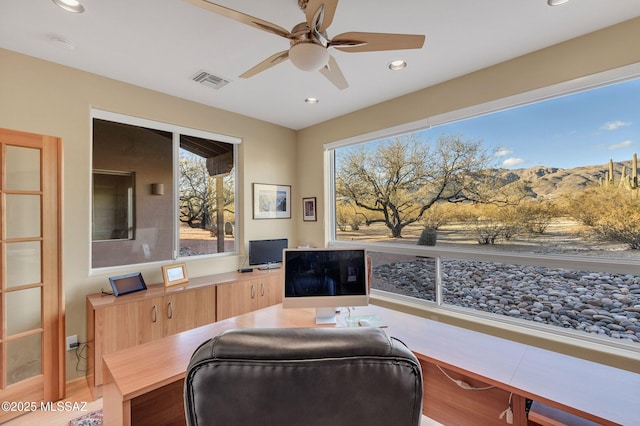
[(550, 182)]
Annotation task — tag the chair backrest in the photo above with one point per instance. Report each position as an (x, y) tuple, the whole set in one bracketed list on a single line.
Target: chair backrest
[(303, 377)]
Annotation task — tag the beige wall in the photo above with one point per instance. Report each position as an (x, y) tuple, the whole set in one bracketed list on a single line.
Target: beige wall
[(607, 49), (41, 97)]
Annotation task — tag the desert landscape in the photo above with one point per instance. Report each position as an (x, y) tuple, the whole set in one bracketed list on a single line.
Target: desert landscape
[(598, 303)]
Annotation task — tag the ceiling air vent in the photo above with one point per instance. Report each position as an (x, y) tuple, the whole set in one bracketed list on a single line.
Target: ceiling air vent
[(210, 80)]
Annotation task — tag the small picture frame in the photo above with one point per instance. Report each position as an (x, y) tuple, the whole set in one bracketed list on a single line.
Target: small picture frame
[(271, 201), (174, 274), (309, 209)]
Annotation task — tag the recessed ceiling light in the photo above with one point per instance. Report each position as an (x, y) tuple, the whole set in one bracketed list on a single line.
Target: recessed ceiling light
[(556, 2), (69, 5), (397, 65), (312, 100)]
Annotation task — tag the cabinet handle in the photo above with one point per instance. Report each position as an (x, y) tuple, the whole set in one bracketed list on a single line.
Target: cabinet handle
[(261, 289), (170, 310), (154, 314), (253, 291)]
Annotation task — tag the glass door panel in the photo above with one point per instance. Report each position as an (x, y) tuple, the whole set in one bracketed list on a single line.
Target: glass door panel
[(23, 168), (23, 263), (24, 358), (22, 310), (23, 216)]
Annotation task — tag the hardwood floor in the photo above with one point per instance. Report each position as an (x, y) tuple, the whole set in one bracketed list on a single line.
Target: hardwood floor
[(77, 395)]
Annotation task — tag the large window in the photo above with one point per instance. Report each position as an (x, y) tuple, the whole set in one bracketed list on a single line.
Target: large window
[(159, 192), (528, 213)]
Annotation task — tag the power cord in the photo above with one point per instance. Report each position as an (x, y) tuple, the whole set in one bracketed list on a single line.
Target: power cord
[(81, 356), (508, 413)]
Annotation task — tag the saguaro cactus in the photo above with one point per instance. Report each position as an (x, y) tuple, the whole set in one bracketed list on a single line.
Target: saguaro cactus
[(634, 172), (610, 177), (630, 182)]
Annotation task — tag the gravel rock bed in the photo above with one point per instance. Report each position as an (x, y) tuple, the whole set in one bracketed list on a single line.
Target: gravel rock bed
[(599, 303)]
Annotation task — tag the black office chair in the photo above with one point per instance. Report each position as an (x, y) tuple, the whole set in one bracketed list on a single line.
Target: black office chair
[(303, 377)]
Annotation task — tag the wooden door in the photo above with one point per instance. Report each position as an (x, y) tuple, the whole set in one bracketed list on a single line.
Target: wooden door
[(32, 303)]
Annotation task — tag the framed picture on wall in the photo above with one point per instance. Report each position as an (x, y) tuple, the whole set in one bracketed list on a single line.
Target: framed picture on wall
[(309, 209), (174, 274), (271, 201)]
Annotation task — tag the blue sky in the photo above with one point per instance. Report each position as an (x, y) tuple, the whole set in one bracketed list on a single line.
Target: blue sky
[(586, 128)]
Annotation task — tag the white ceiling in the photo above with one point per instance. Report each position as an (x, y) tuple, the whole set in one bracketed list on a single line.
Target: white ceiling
[(162, 44)]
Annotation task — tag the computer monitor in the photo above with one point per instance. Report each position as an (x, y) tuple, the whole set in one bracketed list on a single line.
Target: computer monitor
[(325, 279), (267, 253)]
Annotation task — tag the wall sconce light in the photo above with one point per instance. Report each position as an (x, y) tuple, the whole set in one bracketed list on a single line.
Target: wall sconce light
[(157, 188)]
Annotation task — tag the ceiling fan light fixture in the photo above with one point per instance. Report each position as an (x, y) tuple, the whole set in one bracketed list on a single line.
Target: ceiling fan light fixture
[(69, 5), (309, 56), (556, 2), (397, 65)]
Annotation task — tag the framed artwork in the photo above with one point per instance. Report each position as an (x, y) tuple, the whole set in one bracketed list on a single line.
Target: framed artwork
[(174, 274), (309, 209), (271, 201)]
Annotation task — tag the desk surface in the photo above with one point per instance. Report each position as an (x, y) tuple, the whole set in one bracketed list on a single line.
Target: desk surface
[(552, 378)]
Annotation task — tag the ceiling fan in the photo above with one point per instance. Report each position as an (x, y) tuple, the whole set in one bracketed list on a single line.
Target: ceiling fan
[(309, 40)]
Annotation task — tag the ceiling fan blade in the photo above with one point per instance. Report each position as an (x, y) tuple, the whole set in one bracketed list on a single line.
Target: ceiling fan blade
[(329, 10), (369, 42), (241, 17), (266, 64), (332, 72)]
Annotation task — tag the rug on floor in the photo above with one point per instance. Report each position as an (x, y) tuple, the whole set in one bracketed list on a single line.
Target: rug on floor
[(92, 419)]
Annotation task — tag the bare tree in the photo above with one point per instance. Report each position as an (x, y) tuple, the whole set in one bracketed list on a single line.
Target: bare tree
[(198, 192), (402, 178)]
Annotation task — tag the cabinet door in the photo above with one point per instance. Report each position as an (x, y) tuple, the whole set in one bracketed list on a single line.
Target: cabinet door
[(269, 291), (184, 311), (124, 325), (236, 299), (150, 319)]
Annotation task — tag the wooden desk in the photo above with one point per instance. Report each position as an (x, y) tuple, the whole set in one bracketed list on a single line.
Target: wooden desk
[(143, 384)]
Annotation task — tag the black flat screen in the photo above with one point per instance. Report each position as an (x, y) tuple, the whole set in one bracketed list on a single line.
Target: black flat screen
[(130, 283)]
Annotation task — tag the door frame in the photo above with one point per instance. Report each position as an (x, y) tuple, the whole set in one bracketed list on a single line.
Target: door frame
[(51, 383)]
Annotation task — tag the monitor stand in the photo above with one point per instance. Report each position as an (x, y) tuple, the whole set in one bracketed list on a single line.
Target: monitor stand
[(269, 266), (325, 315)]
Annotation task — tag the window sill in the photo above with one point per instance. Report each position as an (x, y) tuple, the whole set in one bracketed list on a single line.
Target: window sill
[(615, 355)]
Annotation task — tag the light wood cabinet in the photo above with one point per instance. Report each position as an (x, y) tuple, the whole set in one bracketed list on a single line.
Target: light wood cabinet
[(270, 291), (116, 323), (188, 310), (235, 299)]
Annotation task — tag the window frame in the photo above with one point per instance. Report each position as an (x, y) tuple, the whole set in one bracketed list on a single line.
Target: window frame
[(588, 263), (176, 131)]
